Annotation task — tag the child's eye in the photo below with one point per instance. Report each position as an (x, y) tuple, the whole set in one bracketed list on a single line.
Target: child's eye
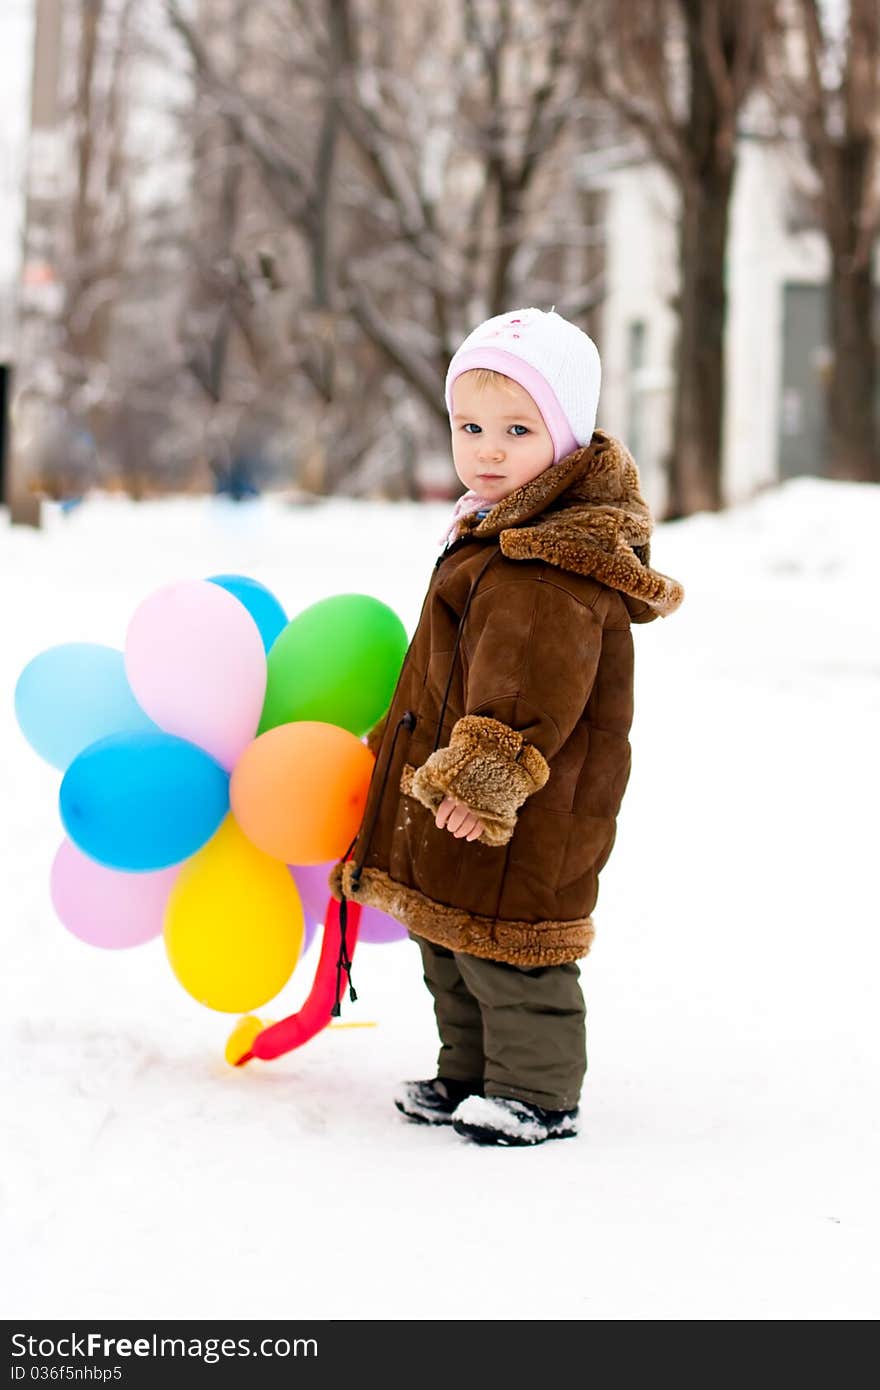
[(468, 428), (520, 427)]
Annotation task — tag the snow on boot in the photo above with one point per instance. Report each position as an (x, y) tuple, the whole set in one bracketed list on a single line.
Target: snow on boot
[(432, 1102), (512, 1123)]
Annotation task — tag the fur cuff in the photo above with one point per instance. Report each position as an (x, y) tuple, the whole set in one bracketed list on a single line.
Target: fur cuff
[(526, 944), (488, 767)]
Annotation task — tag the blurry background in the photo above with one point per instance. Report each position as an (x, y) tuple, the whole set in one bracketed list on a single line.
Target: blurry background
[(239, 241)]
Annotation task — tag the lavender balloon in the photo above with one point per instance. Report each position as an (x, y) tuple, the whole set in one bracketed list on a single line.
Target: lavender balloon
[(314, 892), (379, 929), (311, 928), (376, 927)]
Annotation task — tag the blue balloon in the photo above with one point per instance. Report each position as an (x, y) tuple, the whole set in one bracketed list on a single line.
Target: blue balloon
[(143, 801), (71, 695), (259, 601)]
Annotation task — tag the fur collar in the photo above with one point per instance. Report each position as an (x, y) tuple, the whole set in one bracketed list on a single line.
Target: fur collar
[(586, 514)]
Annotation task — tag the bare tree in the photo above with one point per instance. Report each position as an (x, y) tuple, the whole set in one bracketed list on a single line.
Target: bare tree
[(418, 154), (218, 323), (101, 262), (352, 184), (679, 72), (98, 209), (74, 238), (825, 73)]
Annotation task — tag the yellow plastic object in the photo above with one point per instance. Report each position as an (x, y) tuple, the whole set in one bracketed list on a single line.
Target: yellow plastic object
[(234, 924), (242, 1036)]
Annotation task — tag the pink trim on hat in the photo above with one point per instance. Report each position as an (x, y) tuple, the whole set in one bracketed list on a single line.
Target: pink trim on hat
[(509, 364)]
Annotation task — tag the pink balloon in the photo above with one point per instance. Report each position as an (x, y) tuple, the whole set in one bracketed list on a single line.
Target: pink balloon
[(195, 660), (105, 907)]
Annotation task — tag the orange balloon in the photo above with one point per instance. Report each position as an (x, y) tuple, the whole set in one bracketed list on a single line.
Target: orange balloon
[(299, 791)]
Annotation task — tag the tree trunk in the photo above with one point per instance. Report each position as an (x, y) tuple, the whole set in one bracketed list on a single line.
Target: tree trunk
[(852, 393), (695, 461), (24, 503)]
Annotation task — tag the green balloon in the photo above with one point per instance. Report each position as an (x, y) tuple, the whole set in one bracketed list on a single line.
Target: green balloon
[(337, 662)]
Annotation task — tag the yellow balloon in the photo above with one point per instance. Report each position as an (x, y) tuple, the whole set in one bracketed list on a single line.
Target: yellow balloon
[(234, 924)]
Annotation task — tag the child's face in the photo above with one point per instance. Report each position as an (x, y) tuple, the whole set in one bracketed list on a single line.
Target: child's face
[(499, 440)]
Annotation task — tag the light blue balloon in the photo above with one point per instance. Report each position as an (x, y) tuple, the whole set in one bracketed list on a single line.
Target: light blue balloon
[(139, 801), (259, 601), (71, 695)]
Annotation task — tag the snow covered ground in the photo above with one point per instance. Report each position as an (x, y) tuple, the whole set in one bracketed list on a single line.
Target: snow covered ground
[(728, 1164)]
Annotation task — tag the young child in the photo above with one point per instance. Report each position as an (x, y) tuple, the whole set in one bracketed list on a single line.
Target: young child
[(504, 756)]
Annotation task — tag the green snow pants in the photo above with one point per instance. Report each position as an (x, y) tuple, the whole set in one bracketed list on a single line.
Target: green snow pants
[(522, 1031)]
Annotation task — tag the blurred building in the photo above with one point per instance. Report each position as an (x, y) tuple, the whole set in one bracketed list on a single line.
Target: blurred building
[(777, 356), (96, 182), (16, 49)]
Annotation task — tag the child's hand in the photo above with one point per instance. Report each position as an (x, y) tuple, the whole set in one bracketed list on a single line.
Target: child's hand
[(458, 820)]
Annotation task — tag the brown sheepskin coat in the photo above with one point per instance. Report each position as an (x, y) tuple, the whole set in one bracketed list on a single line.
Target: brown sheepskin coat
[(516, 698)]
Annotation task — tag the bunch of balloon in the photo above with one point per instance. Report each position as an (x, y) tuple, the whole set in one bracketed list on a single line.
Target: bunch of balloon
[(213, 772)]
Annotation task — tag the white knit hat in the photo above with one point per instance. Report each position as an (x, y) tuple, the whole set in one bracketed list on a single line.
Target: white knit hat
[(552, 359)]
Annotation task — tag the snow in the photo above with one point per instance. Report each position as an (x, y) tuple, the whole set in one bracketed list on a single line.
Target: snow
[(727, 1163), (513, 1118)]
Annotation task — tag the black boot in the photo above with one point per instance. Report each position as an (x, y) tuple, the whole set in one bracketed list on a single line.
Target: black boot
[(432, 1102), (512, 1123)]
